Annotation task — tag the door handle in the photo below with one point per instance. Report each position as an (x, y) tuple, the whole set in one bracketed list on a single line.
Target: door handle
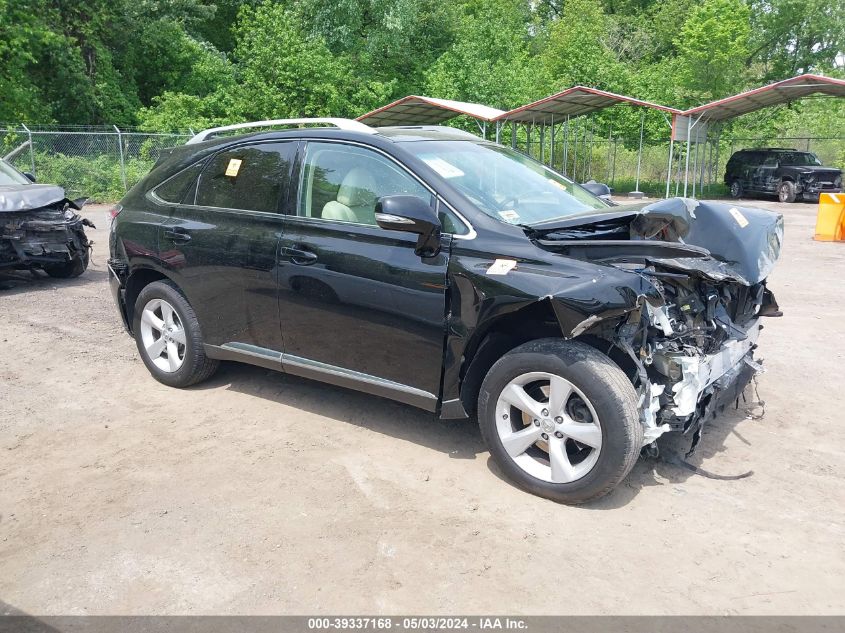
[(177, 235), (298, 256)]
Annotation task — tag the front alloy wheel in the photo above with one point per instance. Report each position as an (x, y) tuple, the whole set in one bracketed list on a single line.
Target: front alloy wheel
[(561, 419), (548, 427)]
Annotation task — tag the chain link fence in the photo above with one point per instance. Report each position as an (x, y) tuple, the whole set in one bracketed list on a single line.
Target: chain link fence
[(101, 164)]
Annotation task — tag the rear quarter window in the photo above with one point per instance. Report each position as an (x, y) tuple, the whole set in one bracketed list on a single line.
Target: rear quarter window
[(180, 187)]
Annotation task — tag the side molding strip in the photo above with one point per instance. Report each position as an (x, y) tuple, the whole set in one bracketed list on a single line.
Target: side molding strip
[(357, 380), (323, 372)]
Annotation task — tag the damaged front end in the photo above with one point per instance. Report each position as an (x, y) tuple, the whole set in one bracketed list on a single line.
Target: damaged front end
[(40, 228), (692, 342)]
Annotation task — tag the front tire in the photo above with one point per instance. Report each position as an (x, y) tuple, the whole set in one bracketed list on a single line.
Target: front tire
[(168, 336), (786, 191), (560, 420), (77, 265)]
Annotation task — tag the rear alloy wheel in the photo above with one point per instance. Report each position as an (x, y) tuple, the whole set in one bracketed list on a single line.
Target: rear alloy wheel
[(168, 336), (786, 191), (560, 420), (736, 189), (163, 335)]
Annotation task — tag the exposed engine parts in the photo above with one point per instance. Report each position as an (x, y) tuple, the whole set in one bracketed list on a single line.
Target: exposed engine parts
[(50, 236)]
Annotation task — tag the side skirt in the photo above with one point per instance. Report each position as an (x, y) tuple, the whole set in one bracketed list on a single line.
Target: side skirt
[(323, 372)]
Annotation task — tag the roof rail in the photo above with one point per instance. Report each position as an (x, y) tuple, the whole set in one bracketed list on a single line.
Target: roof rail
[(343, 124)]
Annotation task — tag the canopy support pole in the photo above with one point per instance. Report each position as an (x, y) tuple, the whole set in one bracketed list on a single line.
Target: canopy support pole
[(686, 168), (543, 143), (636, 190), (513, 134), (566, 146)]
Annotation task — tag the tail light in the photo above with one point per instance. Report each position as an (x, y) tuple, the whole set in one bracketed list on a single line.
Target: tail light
[(113, 213)]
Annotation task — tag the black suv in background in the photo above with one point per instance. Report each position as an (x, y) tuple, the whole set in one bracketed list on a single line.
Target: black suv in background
[(429, 266), (786, 172)]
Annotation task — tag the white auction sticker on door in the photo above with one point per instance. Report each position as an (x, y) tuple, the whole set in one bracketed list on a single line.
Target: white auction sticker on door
[(740, 219), (501, 267)]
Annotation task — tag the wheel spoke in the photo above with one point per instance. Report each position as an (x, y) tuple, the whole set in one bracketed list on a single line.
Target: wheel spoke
[(173, 355), (562, 471), (584, 433), (167, 313), (559, 392), (519, 441), (149, 317), (155, 348), (516, 396), (178, 336)]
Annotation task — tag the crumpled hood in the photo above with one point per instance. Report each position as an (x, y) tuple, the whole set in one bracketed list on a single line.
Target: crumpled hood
[(28, 197), (717, 240)]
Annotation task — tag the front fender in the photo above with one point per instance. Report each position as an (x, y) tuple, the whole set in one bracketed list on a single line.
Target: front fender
[(572, 295)]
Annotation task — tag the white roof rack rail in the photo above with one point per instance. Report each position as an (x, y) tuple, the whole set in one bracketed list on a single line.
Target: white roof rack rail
[(343, 124)]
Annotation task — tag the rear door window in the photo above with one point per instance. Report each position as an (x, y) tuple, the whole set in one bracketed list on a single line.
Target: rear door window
[(248, 177)]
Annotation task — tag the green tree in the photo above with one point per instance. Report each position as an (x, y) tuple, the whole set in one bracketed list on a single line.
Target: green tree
[(579, 50), (712, 51), (282, 72), (489, 61), (790, 37)]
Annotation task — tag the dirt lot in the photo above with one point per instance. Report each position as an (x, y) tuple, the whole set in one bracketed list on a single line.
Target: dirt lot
[(260, 493)]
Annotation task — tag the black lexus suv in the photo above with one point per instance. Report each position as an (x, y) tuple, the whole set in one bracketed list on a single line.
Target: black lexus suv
[(788, 173), (432, 267)]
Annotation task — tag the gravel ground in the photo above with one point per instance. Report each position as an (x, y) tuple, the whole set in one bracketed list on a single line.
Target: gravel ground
[(259, 493)]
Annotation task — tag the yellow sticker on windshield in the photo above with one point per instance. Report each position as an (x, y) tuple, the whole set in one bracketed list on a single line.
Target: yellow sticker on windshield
[(557, 184), (233, 167)]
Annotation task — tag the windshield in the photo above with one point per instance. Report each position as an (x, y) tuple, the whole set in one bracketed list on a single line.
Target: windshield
[(11, 176), (799, 159), (504, 183)]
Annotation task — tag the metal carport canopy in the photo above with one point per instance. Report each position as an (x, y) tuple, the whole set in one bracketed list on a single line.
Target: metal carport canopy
[(416, 110), (573, 102), (767, 96)]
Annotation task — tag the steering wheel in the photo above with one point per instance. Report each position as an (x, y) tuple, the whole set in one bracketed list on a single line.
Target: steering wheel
[(514, 200), (478, 196)]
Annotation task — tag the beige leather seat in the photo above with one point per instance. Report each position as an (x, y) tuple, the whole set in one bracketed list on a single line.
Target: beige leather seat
[(356, 199)]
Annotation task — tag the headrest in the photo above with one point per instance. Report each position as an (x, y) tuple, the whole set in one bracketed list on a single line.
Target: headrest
[(357, 189)]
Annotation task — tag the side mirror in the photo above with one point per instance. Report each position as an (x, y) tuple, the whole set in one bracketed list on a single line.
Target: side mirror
[(412, 215), (30, 176), (600, 190)]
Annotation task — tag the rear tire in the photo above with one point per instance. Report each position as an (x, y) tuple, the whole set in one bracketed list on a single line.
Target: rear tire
[(599, 395), (786, 191), (168, 336), (736, 189)]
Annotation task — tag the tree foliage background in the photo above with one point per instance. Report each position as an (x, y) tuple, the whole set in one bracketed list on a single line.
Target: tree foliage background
[(174, 64)]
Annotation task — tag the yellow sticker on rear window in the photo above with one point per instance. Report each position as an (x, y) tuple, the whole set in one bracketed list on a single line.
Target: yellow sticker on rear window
[(740, 219), (233, 167)]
